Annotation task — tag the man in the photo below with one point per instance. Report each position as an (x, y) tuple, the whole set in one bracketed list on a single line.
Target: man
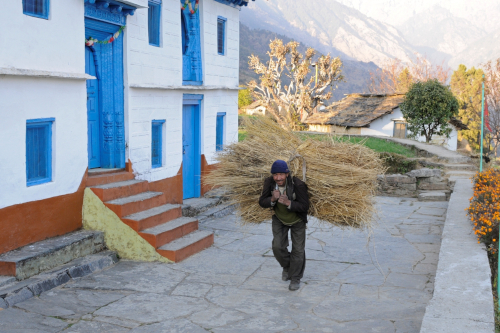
[(289, 199)]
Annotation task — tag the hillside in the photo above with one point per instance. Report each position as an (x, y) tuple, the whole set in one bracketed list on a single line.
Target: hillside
[(256, 41), (330, 27)]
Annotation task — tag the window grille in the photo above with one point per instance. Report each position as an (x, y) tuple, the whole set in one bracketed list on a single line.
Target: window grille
[(221, 35), (37, 8), (219, 138), (39, 151), (154, 15), (156, 143)]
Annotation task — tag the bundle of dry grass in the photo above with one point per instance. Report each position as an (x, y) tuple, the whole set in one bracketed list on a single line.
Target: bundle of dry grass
[(341, 176)]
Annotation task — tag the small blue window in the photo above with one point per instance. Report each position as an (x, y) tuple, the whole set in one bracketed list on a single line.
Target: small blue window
[(219, 138), (156, 143), (221, 35), (37, 8), (154, 14), (39, 151)]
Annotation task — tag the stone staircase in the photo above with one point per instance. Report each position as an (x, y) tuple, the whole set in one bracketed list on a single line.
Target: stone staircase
[(159, 222)]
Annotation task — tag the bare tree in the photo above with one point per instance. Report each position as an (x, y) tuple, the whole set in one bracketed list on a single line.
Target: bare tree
[(397, 77), (492, 96), (292, 104)]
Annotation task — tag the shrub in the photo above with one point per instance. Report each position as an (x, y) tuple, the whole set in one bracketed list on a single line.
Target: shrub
[(484, 209), (396, 163)]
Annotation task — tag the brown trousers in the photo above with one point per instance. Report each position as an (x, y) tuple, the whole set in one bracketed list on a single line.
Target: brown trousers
[(295, 261)]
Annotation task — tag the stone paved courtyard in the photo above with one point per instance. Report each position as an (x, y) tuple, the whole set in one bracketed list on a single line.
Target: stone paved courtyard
[(350, 284)]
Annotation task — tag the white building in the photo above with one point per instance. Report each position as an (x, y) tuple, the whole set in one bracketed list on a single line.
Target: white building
[(374, 115), (149, 87)]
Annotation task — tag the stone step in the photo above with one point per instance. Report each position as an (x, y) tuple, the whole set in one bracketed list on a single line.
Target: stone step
[(136, 203), (47, 254), (104, 171), (186, 246), (107, 178), (196, 206), (111, 191), (470, 167), (433, 196), (19, 291), (457, 174), (153, 217), (169, 231)]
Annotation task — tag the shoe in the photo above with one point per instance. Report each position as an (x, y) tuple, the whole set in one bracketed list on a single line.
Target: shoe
[(284, 275), (294, 285)]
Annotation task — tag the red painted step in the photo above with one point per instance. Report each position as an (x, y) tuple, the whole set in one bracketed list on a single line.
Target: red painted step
[(186, 246), (152, 217), (136, 203), (169, 231), (108, 192), (107, 178)]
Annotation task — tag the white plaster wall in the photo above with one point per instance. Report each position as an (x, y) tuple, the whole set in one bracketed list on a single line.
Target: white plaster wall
[(149, 104), (220, 70), (162, 66), (23, 98), (383, 126), (55, 44), (441, 140)]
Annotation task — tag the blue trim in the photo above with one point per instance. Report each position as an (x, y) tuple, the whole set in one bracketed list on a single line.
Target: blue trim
[(192, 65), (221, 35), (192, 99), (158, 121), (40, 120), (221, 113), (219, 131), (234, 3), (45, 11), (110, 11), (154, 22), (42, 150), (192, 83), (157, 143)]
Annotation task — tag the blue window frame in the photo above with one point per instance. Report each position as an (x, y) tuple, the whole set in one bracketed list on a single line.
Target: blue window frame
[(221, 35), (154, 15), (36, 8), (219, 138), (38, 151), (156, 143)]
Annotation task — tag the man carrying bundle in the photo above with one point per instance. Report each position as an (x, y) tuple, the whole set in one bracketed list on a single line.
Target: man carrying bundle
[(289, 199)]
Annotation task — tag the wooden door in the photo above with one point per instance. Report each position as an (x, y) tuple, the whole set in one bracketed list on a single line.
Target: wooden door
[(400, 130), (191, 158)]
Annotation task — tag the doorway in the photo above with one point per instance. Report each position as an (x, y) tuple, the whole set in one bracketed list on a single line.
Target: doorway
[(191, 154)]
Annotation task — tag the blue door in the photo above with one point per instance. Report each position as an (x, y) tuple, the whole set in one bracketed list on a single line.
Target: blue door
[(192, 73), (191, 158), (108, 67), (94, 151)]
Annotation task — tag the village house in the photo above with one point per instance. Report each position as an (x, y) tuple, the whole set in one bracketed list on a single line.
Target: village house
[(135, 95), (373, 115)]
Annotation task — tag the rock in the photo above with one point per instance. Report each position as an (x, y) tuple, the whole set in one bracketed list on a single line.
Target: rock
[(431, 180), (18, 296), (425, 172), (432, 196), (402, 179), (432, 186)]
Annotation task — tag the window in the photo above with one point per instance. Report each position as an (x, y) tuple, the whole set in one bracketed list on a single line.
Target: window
[(156, 143), (154, 14), (221, 35), (219, 139), (37, 8), (38, 151)]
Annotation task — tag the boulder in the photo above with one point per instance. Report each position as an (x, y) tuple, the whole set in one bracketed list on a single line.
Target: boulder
[(425, 172)]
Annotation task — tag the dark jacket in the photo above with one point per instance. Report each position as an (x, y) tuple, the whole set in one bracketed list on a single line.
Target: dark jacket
[(294, 185)]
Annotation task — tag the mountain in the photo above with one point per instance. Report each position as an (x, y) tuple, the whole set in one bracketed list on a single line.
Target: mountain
[(479, 52), (330, 27), (256, 41), (439, 34)]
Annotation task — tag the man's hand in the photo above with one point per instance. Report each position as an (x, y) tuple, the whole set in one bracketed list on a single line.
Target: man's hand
[(283, 199), (276, 196)]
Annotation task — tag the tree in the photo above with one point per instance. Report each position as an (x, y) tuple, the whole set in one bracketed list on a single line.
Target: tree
[(427, 107), (466, 85), (244, 98), (492, 95), (397, 77), (291, 104)]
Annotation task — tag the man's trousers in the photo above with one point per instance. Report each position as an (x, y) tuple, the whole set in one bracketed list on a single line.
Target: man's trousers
[(295, 261)]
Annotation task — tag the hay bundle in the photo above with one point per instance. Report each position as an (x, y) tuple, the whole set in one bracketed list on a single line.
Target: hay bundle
[(341, 176)]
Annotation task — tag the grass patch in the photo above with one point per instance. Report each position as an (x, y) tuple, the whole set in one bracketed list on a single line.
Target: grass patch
[(242, 135)]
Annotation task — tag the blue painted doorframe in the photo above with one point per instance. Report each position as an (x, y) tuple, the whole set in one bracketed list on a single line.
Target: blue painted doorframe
[(109, 72), (191, 146), (93, 119)]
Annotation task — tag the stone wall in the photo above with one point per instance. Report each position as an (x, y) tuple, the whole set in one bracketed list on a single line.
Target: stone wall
[(409, 184)]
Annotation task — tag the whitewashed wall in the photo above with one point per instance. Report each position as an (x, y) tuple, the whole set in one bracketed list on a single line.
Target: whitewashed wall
[(55, 44), (153, 76), (23, 98), (383, 126)]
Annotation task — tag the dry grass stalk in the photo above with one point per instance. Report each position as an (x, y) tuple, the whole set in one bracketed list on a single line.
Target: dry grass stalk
[(342, 177)]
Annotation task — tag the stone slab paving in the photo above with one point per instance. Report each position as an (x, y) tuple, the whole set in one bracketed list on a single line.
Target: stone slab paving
[(353, 282)]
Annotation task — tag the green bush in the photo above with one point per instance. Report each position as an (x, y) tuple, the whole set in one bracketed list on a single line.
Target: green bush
[(397, 163)]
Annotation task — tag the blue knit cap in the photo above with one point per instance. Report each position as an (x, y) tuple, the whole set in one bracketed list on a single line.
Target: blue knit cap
[(279, 166)]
